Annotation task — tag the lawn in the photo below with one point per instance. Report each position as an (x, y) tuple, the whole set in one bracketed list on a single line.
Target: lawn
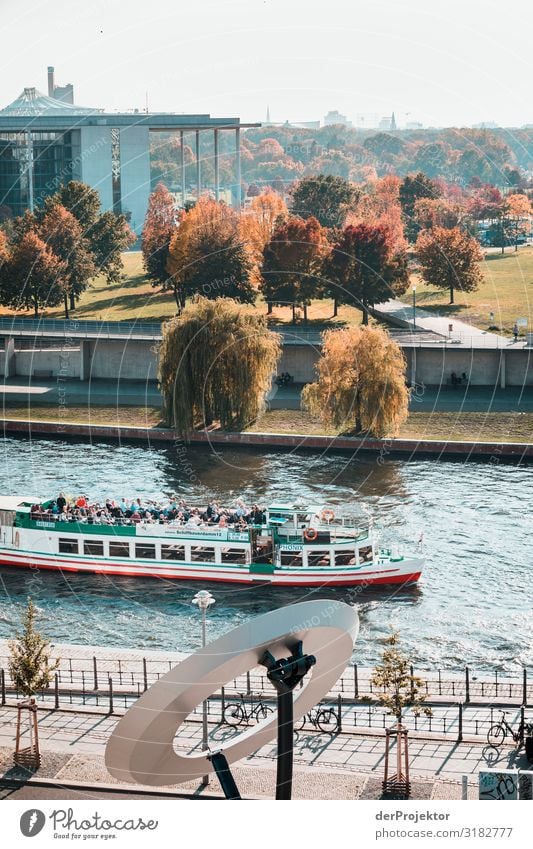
[(95, 414), (507, 292), (134, 299)]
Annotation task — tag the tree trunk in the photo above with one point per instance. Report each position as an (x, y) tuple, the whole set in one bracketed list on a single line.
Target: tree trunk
[(294, 313), (36, 307), (269, 307), (305, 313), (365, 314), (65, 302), (335, 307), (72, 299), (451, 294)]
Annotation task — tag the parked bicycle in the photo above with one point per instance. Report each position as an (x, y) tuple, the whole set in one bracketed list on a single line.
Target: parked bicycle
[(241, 712), (325, 719), (499, 731)]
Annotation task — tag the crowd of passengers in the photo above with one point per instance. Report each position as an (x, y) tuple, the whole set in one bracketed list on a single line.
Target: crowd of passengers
[(133, 511)]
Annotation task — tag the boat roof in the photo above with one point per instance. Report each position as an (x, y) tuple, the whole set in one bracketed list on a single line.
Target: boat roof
[(294, 507), (15, 502)]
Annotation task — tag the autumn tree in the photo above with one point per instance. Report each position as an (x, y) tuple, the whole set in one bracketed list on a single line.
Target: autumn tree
[(207, 256), (30, 664), (107, 234), (159, 227), (361, 382), (362, 268), (32, 276), (440, 212), (516, 218), (292, 262), (324, 197), (257, 224), (63, 234), (413, 188), (216, 364), (449, 259)]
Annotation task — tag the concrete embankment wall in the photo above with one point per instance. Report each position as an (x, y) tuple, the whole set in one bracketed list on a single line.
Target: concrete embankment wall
[(408, 448)]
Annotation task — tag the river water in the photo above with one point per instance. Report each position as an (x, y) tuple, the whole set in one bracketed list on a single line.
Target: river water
[(473, 605)]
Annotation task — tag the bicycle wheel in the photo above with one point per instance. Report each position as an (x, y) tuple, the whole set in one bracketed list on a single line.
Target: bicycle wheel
[(234, 714), (496, 735), (300, 724), (327, 720), (261, 712)]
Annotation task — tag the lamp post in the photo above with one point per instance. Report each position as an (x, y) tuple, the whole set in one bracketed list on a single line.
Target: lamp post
[(203, 599), (414, 307)]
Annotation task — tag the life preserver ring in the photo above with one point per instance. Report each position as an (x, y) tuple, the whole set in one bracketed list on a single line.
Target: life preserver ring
[(310, 534), (327, 516)]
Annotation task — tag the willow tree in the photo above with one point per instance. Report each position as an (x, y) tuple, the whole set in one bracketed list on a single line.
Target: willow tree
[(361, 382), (216, 364)]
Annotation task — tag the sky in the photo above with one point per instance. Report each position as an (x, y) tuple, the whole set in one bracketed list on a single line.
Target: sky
[(452, 63)]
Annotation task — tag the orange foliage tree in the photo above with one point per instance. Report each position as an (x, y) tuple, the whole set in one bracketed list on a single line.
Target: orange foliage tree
[(449, 259), (159, 226), (257, 225)]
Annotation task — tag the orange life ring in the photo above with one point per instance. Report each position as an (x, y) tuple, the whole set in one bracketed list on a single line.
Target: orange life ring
[(310, 534), (327, 516)]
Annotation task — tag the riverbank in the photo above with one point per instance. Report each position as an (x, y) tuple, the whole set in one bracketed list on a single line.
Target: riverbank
[(406, 447)]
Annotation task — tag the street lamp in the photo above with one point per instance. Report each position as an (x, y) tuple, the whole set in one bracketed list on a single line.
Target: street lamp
[(203, 599), (414, 307)]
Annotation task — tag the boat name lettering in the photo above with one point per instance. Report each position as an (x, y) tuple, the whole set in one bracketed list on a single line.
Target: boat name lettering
[(291, 547), (45, 524)]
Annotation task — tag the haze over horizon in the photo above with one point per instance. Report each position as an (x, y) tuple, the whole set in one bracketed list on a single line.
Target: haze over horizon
[(457, 66)]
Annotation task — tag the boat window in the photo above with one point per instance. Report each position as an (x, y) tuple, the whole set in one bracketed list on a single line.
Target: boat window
[(145, 550), (96, 548), (202, 554), (344, 558), (233, 555), (172, 552), (365, 554), (68, 546), (318, 558), (291, 558), (119, 549)]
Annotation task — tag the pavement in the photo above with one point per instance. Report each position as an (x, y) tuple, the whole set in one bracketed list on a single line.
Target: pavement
[(72, 392)]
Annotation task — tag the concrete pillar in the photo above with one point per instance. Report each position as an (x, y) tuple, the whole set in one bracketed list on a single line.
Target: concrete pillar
[(217, 173), (502, 370), (85, 359), (413, 366), (182, 169), (238, 169), (198, 174), (10, 362)]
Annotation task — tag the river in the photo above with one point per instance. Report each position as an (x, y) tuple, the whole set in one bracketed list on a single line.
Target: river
[(473, 605)]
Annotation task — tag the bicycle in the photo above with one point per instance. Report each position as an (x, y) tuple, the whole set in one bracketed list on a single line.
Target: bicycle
[(499, 730), (325, 719), (237, 713)]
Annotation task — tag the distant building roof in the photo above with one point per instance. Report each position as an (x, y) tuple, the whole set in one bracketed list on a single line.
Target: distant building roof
[(32, 103)]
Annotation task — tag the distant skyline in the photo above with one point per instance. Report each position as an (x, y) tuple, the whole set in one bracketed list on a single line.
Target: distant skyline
[(462, 64)]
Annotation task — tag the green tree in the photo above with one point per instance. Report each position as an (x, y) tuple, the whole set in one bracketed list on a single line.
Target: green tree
[(326, 198), (363, 270), (450, 259), (63, 235), (32, 276), (30, 664), (413, 188), (216, 364), (159, 226), (361, 382), (292, 262)]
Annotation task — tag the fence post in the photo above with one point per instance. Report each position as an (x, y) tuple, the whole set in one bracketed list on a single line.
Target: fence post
[(524, 686), (56, 691), (339, 714), (355, 682), (95, 673), (110, 695), (248, 687), (412, 672), (522, 725), (460, 730), (467, 684), (145, 675), (223, 705), (3, 685)]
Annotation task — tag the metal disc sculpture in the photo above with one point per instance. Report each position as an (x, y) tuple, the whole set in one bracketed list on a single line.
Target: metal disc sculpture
[(315, 637)]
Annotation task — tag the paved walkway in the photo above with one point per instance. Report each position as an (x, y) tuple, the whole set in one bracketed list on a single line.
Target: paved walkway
[(75, 392), (461, 333)]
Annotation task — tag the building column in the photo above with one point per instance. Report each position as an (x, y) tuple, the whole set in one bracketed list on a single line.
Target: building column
[(29, 149), (9, 358), (217, 173), (182, 168), (502, 370), (238, 198), (413, 366), (85, 359), (198, 175)]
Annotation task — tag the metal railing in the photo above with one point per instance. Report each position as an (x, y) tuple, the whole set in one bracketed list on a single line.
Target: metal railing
[(75, 328)]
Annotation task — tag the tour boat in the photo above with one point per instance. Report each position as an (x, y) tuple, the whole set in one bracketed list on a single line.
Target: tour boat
[(295, 546)]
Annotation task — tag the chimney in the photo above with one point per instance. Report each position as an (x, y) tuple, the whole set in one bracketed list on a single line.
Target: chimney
[(50, 81)]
